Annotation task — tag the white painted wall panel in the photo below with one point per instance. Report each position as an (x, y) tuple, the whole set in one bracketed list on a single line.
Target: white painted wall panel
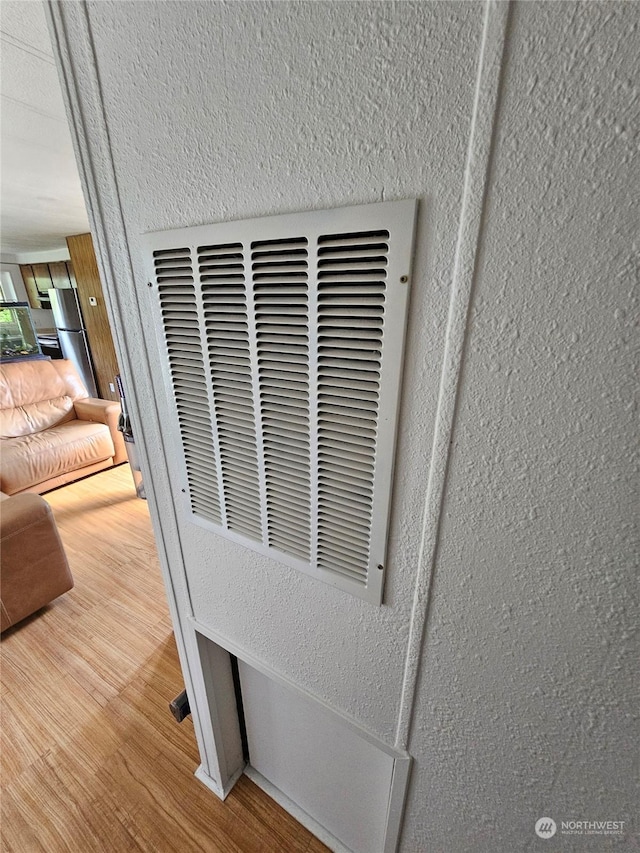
[(259, 126), (242, 110), (526, 707), (342, 780)]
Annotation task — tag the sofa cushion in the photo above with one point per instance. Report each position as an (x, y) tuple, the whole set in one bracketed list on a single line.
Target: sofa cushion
[(36, 395), (31, 459)]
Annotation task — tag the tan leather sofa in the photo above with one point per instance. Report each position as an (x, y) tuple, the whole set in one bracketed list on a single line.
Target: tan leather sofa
[(51, 431), (33, 565)]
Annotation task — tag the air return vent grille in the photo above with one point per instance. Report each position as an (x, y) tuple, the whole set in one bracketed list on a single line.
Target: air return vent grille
[(181, 323), (226, 322), (283, 351), (280, 270), (352, 272)]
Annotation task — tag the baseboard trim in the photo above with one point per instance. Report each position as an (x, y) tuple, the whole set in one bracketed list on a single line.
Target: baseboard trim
[(222, 792), (295, 811)]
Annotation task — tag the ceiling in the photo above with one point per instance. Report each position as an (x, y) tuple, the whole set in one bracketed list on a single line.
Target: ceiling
[(41, 200)]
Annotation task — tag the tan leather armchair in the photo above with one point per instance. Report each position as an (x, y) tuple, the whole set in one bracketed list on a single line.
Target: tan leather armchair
[(33, 566)]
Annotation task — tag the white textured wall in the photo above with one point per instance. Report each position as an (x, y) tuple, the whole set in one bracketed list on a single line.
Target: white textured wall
[(287, 107), (228, 111), (526, 702)]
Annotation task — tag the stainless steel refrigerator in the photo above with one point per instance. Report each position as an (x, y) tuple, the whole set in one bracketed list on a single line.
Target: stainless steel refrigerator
[(72, 335)]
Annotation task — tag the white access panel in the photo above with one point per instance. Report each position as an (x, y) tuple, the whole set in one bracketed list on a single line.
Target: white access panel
[(340, 779)]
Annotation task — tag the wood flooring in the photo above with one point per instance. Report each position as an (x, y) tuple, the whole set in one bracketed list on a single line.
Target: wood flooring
[(92, 759)]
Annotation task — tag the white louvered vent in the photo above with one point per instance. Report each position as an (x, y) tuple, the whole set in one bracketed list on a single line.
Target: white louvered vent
[(226, 322), (177, 293), (280, 271), (283, 345), (352, 273)]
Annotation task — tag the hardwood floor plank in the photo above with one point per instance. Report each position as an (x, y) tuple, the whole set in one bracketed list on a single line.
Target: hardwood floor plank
[(51, 718), (162, 792), (63, 824), (140, 706), (251, 806), (92, 760), (316, 846), (18, 834)]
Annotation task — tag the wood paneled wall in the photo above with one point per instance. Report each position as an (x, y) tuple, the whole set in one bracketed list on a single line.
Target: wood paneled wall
[(95, 316)]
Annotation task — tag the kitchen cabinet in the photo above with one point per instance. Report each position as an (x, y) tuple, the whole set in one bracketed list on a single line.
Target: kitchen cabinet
[(39, 278), (60, 275)]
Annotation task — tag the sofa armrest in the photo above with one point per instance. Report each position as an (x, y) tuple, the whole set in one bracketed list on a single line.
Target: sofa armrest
[(33, 563), (103, 412)]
